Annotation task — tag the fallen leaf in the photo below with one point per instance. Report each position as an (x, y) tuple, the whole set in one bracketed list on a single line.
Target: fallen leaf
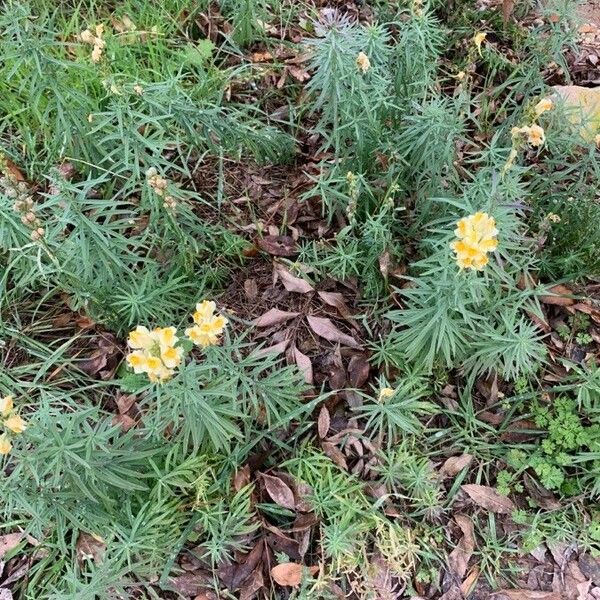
[(466, 587), (324, 328), (125, 421), (358, 370), (558, 295), (488, 498), (8, 542), (279, 491), (14, 171), (304, 364), (276, 349), (278, 245), (191, 584), (274, 316), (292, 283), (125, 402), (335, 454), (251, 289), (523, 594), (507, 10), (290, 574), (90, 546), (336, 300), (5, 594), (323, 422), (584, 108), (261, 57), (454, 465), (460, 556), (234, 575)]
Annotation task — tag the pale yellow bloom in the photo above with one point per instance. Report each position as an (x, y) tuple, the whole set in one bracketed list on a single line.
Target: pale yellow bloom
[(155, 352), (476, 237), (5, 445), (95, 40), (536, 136), (385, 393), (543, 105), (461, 75), (207, 327), (553, 217), (138, 89), (478, 39), (16, 424), (363, 62), (6, 405)]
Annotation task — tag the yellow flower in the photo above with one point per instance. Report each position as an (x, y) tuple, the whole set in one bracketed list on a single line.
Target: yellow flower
[(155, 352), (536, 136), (363, 62), (16, 424), (6, 405), (476, 237), (385, 393), (204, 311), (553, 217), (140, 338), (478, 39), (543, 105), (207, 327), (5, 445)]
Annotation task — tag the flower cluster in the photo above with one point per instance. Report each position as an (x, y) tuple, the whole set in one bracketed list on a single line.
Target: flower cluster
[(476, 237), (11, 422), (94, 39), (385, 393), (157, 352), (207, 327), (159, 187), (154, 352), (363, 62), (23, 203), (533, 133)]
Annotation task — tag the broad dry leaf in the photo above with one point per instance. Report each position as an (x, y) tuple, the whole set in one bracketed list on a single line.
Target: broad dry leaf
[(292, 283), (8, 542), (324, 328), (523, 594), (583, 105), (274, 317), (335, 454), (336, 300), (507, 10), (279, 491), (290, 574), (323, 422), (304, 364), (276, 349), (488, 498), (454, 465), (278, 245), (358, 370), (460, 556), (559, 295)]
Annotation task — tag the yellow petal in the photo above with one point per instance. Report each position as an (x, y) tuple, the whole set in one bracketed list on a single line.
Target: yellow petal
[(140, 338), (165, 336), (5, 445), (16, 424), (171, 357), (137, 361), (204, 310), (6, 405), (385, 393)]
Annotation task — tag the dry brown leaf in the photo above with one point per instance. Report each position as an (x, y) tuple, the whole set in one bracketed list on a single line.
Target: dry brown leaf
[(336, 300), (278, 245), (261, 57), (290, 574), (251, 289), (507, 10), (523, 594), (558, 295), (90, 546), (274, 316), (466, 587), (358, 370), (125, 421), (304, 364), (323, 422), (325, 328), (460, 556), (13, 170), (276, 349), (454, 465), (335, 454), (489, 498), (292, 283), (8, 542), (279, 491)]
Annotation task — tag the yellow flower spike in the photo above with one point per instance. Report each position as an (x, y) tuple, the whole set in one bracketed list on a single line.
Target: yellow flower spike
[(16, 424), (476, 237), (385, 393), (6, 405), (165, 336), (140, 338), (5, 445), (363, 62), (543, 106), (478, 39)]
